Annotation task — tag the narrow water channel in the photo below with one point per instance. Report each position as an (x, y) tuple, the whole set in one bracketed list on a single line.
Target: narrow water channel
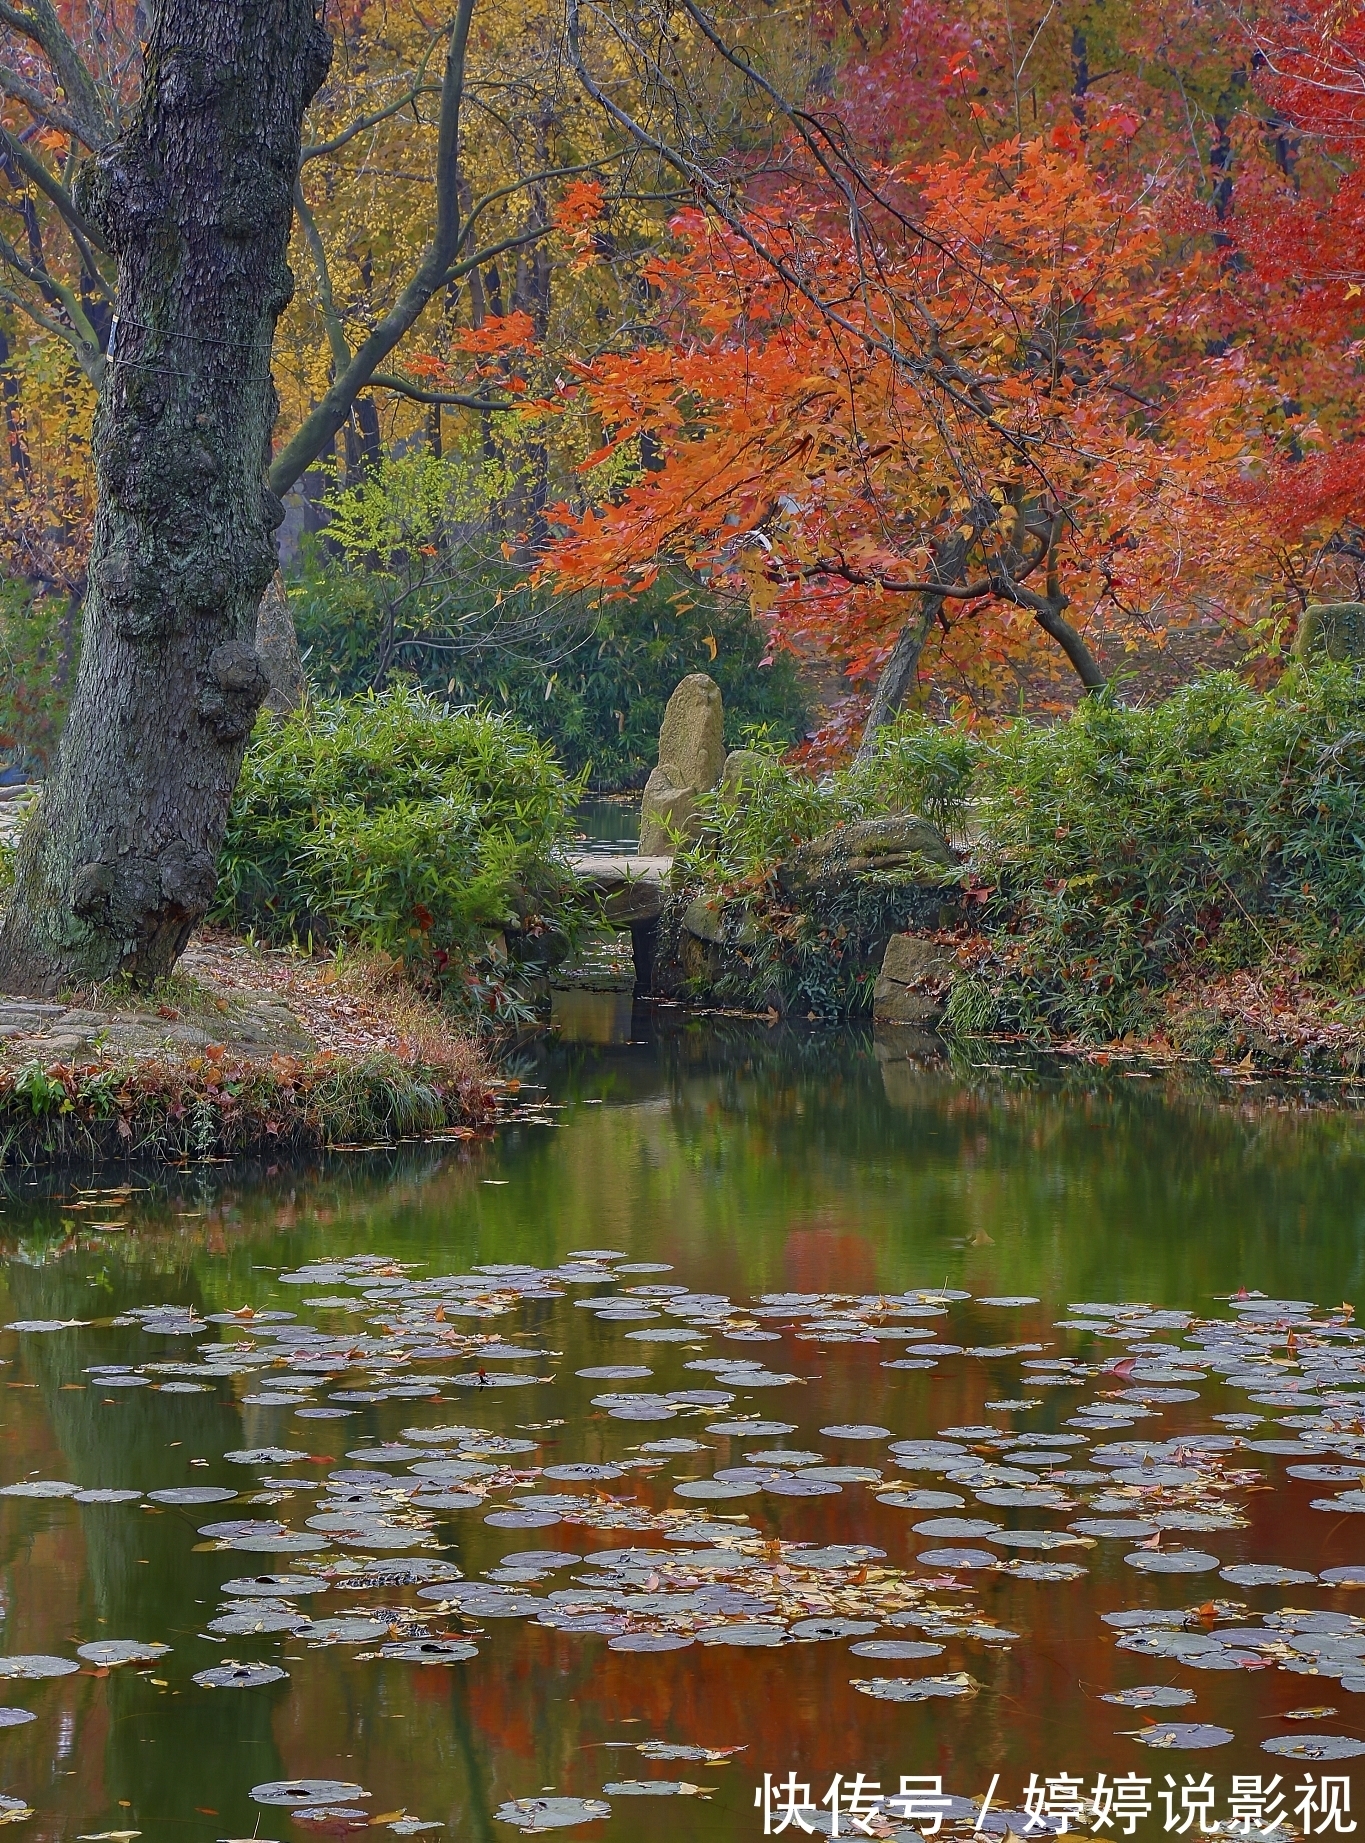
[(751, 1406)]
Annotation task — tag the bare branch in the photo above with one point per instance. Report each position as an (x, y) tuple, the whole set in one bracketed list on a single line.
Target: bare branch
[(419, 87), (42, 108), (456, 399), (83, 231), (41, 26), (323, 421)]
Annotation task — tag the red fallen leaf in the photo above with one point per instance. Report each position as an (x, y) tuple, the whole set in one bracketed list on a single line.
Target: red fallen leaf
[(1121, 1366)]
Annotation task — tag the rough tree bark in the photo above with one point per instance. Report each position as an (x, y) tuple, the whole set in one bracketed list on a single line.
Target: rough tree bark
[(196, 202), (898, 674)]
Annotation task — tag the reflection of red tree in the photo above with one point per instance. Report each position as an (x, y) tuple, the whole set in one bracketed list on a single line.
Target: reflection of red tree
[(828, 1260)]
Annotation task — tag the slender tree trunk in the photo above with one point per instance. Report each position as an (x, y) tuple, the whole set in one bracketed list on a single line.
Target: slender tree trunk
[(898, 674), (196, 201)]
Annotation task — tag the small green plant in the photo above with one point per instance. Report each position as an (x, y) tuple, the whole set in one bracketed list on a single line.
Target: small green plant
[(397, 824), (44, 1093)]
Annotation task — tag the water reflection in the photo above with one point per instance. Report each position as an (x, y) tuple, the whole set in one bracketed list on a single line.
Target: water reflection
[(578, 1015), (750, 1161)]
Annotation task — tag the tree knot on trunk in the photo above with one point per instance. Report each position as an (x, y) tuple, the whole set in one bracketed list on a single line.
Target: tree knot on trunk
[(91, 888), (233, 688)]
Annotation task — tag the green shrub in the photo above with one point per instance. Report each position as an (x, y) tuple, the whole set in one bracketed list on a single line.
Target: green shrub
[(917, 767), (394, 823), (1218, 828), (1116, 851)]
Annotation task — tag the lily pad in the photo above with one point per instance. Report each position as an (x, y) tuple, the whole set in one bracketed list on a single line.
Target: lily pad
[(1265, 1574), (717, 1488), (15, 1718), (112, 1651), (1182, 1734), (277, 1586), (298, 1794), (649, 1788), (896, 1648), (1314, 1746), (916, 1689), (957, 1558), (431, 1651), (750, 1634), (1151, 1696), (239, 1676), (33, 1669), (192, 1494), (833, 1628), (1171, 1561), (649, 1641), (534, 1814)]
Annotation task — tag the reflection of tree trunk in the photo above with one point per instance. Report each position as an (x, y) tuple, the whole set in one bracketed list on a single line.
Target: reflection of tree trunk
[(278, 646), (480, 1805), (196, 199)]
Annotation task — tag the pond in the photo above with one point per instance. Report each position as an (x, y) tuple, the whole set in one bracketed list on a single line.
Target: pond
[(751, 1406)]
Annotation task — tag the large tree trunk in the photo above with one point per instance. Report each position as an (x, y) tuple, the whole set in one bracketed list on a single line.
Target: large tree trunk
[(196, 200)]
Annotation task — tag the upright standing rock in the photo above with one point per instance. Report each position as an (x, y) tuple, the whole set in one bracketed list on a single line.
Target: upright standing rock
[(691, 758)]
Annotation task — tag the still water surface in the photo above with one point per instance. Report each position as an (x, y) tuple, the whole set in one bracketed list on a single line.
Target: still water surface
[(878, 1207)]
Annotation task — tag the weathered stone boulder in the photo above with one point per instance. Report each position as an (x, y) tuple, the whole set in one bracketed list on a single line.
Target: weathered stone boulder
[(851, 851), (1335, 630), (706, 919), (912, 987), (741, 767), (691, 758), (668, 811)]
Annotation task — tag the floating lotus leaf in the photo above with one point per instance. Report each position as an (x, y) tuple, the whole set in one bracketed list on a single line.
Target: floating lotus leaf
[(1151, 1696), (239, 1676), (533, 1814), (112, 1651), (1171, 1561), (1314, 1746), (916, 1689), (298, 1794), (1181, 1734)]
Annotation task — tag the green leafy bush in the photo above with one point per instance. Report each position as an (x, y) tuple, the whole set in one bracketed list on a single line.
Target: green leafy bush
[(1219, 827), (917, 767), (395, 823)]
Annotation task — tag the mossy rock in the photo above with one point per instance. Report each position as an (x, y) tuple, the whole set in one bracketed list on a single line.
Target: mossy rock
[(1336, 629)]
